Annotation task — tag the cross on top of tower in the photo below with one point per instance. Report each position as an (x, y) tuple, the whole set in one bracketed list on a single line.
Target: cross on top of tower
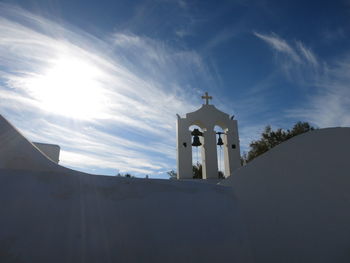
[(207, 98)]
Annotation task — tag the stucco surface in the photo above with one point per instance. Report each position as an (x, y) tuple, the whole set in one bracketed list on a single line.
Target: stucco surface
[(52, 151), (17, 152), (296, 199), (58, 217), (291, 204), (53, 214)]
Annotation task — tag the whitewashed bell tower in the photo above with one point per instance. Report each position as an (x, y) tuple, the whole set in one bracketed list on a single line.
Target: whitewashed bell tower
[(207, 117)]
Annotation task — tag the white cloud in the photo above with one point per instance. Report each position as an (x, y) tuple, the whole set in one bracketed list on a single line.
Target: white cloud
[(329, 106), (181, 33), (118, 108), (183, 4), (307, 54), (326, 95), (279, 45), (330, 35), (297, 61), (221, 37)]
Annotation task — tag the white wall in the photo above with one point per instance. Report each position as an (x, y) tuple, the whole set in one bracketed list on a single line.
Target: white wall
[(52, 151), (295, 199)]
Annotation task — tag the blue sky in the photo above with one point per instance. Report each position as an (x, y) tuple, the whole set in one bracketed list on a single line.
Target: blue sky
[(104, 79)]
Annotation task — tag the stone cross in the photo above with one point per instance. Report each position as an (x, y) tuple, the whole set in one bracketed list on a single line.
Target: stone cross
[(207, 98)]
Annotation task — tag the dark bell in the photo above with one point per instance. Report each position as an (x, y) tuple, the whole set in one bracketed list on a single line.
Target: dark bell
[(220, 142), (196, 132), (196, 141)]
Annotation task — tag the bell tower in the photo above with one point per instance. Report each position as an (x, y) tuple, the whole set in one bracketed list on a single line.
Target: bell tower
[(206, 118)]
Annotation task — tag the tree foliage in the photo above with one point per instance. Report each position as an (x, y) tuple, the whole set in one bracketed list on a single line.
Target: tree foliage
[(197, 171), (270, 139), (172, 174), (127, 175)]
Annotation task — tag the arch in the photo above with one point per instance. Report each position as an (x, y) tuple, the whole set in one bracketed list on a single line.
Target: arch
[(221, 124), (220, 134), (196, 150), (198, 123)]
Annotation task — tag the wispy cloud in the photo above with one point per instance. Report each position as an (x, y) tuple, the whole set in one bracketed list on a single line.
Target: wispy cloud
[(332, 35), (295, 60), (307, 54), (182, 33), (279, 45), (109, 103), (327, 99), (329, 106), (223, 36)]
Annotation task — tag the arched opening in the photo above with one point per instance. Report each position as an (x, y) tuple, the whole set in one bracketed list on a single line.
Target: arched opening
[(220, 141), (197, 142)]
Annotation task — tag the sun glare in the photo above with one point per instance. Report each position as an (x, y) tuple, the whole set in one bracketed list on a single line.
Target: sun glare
[(70, 87)]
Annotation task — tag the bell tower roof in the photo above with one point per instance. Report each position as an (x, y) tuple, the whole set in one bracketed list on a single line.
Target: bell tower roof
[(207, 115)]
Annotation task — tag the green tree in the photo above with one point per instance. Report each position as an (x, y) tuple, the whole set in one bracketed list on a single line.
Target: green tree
[(270, 139), (127, 175), (197, 171), (172, 174), (299, 128)]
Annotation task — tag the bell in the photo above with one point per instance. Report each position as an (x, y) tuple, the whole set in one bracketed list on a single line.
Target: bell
[(196, 132), (220, 142), (196, 141)]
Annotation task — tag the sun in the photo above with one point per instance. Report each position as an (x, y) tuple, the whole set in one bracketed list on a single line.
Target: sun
[(70, 87)]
